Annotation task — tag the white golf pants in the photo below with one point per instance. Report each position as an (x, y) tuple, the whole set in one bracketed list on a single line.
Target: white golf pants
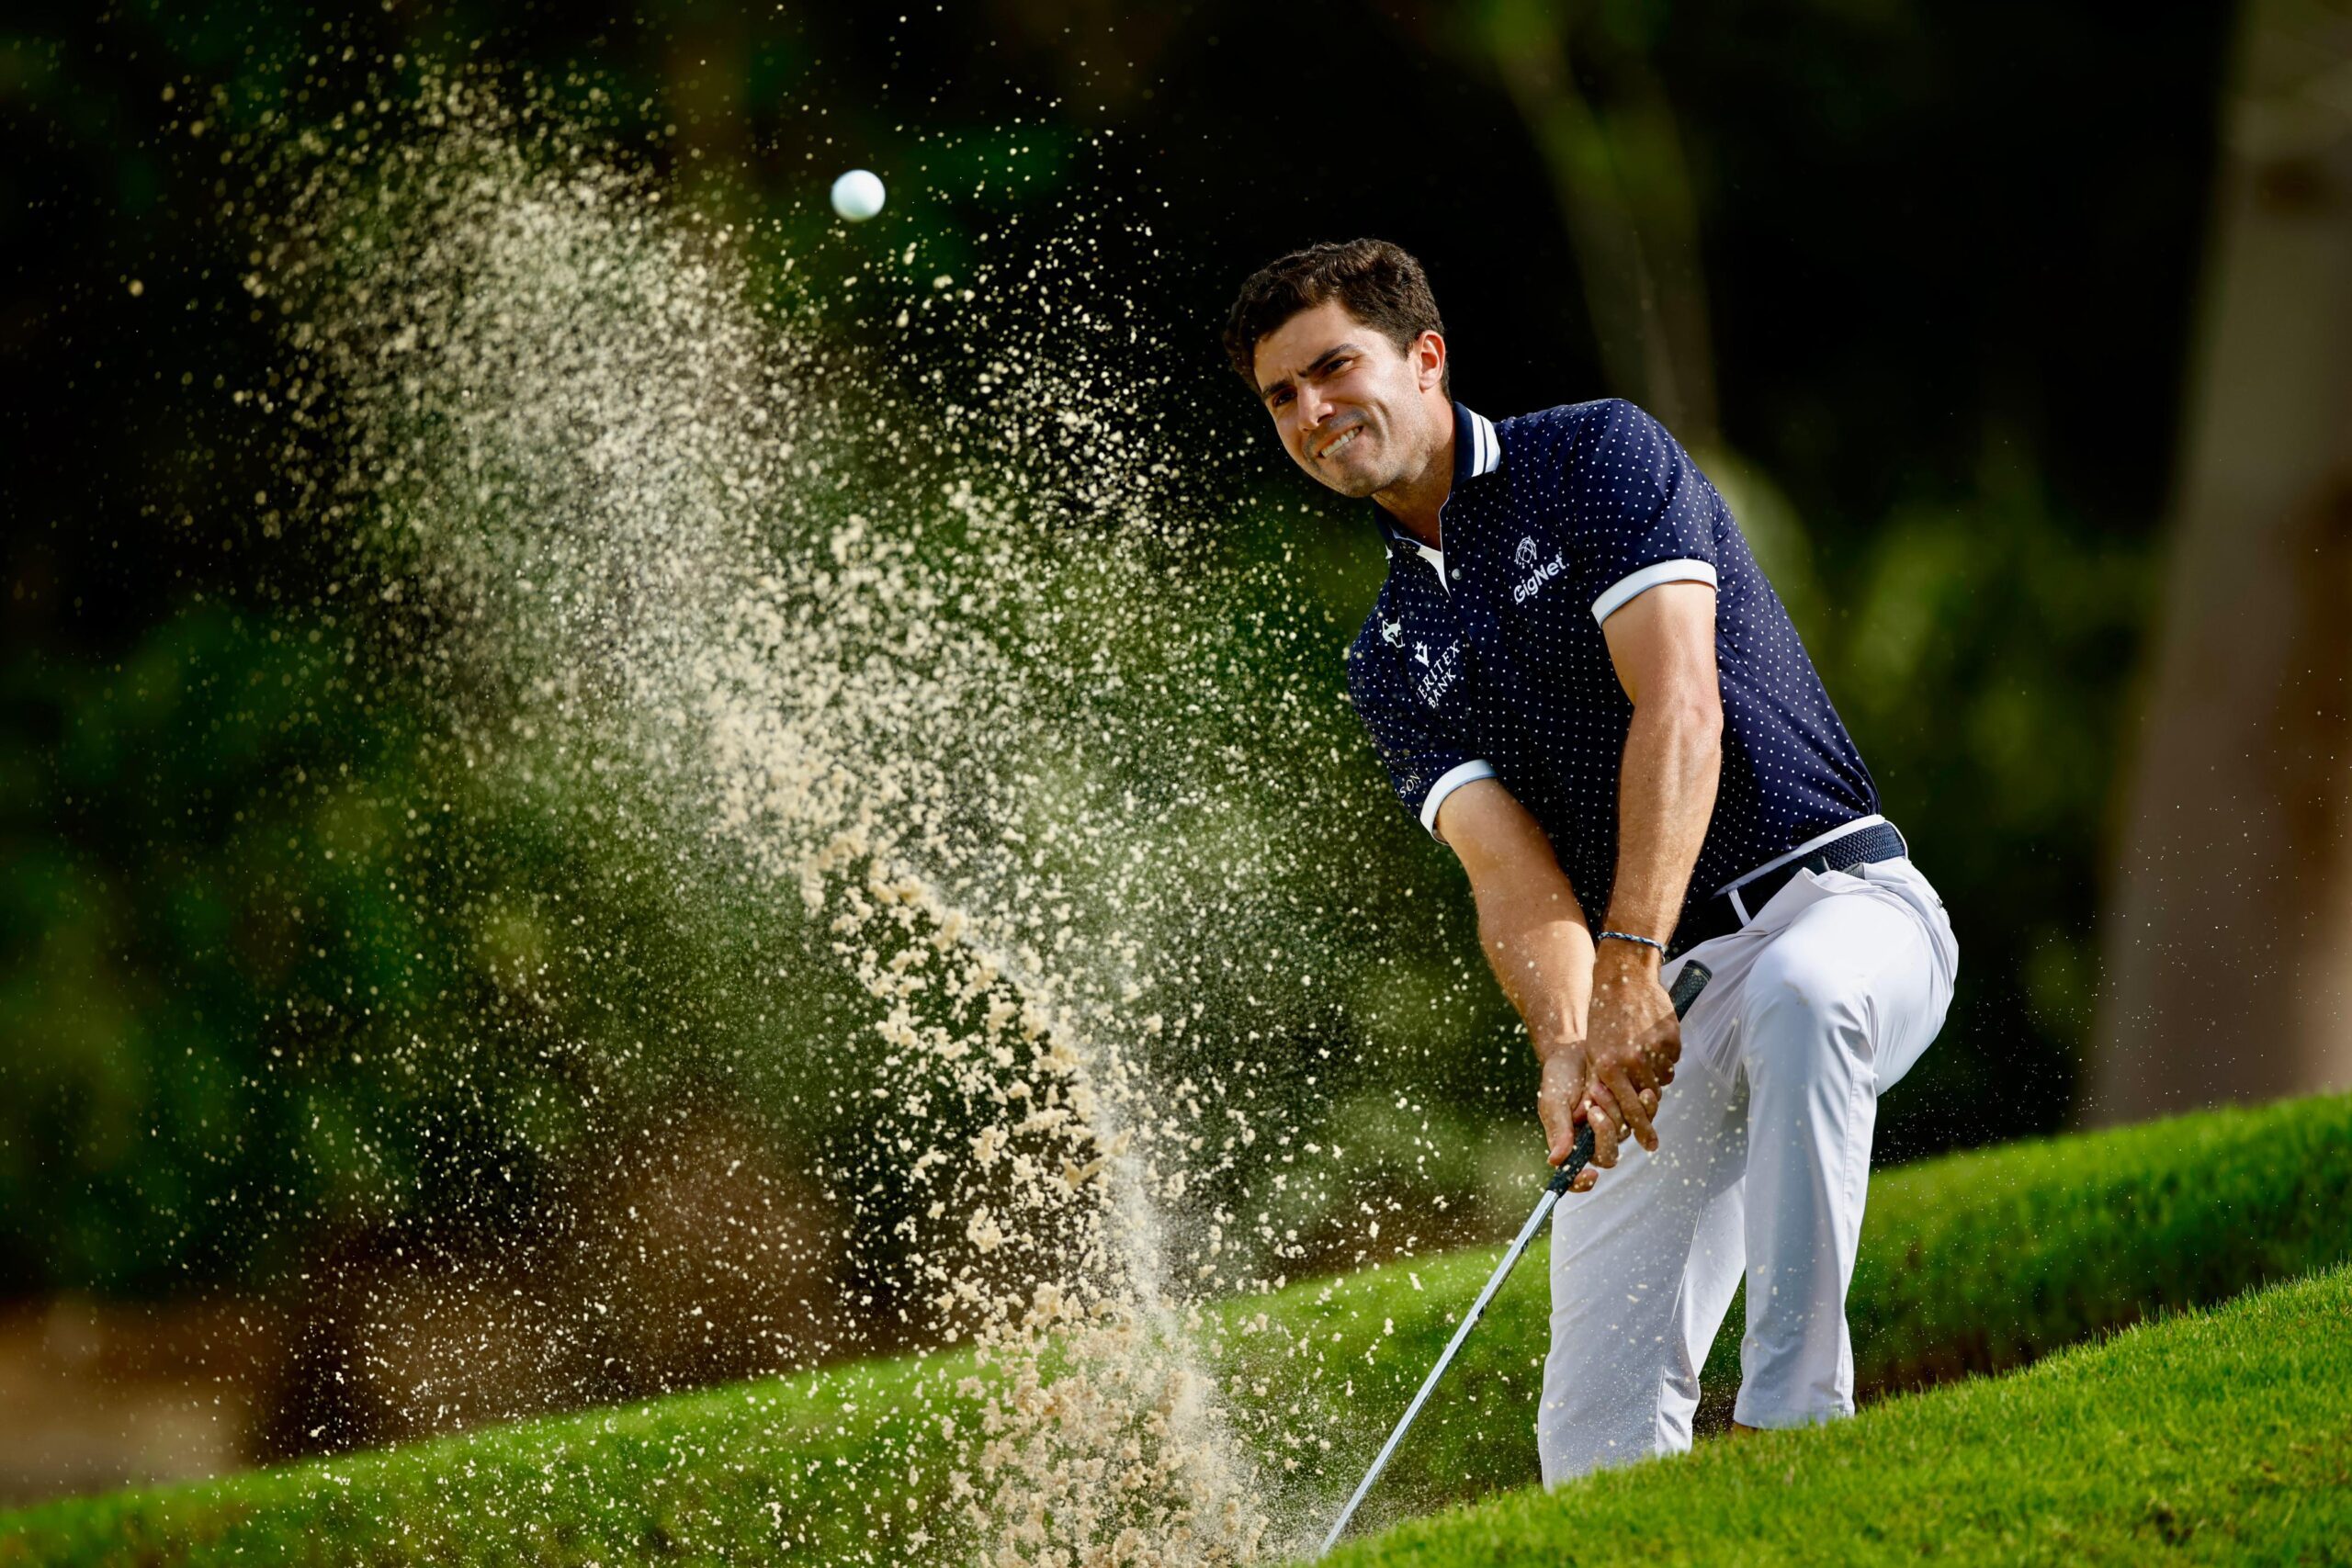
[(1821, 1002)]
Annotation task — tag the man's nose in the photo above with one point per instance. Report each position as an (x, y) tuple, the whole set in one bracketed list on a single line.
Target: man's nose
[(1314, 407)]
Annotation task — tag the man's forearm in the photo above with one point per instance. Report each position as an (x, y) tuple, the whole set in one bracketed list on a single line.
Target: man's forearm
[(1665, 797), (1534, 932)]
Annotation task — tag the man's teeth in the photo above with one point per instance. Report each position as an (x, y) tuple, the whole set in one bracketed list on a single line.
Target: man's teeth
[(1342, 441)]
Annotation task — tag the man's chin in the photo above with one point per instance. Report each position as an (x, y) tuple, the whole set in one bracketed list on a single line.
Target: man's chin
[(1353, 482)]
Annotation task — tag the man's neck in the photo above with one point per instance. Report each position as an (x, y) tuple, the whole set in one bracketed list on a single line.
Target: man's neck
[(1415, 500)]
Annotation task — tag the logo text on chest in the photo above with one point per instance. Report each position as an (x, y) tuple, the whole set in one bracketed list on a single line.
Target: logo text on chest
[(1529, 586)]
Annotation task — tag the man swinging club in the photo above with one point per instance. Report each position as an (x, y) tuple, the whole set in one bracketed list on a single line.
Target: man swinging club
[(1580, 681)]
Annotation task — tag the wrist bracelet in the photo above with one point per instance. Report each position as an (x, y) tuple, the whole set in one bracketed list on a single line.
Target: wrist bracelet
[(1629, 936)]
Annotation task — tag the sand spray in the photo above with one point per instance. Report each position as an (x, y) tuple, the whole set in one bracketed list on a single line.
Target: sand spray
[(610, 497)]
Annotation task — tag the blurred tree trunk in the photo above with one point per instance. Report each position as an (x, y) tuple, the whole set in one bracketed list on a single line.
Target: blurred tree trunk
[(1624, 188), (2229, 934)]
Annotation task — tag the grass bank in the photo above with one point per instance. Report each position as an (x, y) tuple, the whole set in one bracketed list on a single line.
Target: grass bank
[(1971, 1264), (2216, 1435), (1975, 1263)]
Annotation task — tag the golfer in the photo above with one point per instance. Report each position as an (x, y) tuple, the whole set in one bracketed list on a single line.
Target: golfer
[(1582, 684)]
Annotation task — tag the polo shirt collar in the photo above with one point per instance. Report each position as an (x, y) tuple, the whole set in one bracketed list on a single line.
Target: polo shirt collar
[(1477, 452)]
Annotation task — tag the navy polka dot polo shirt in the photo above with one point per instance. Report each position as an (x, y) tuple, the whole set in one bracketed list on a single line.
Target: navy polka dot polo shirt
[(1486, 659)]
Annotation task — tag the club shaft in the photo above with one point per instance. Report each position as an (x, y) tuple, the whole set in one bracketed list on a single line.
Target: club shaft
[(1686, 987), (1494, 1282)]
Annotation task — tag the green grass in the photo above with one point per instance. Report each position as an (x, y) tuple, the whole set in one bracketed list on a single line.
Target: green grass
[(2221, 1436), (1977, 1263)]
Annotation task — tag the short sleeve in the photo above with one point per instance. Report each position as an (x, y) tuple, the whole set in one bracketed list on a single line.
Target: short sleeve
[(1424, 764), (1640, 512)]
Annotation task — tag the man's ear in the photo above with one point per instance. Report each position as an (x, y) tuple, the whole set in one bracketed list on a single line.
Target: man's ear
[(1429, 359)]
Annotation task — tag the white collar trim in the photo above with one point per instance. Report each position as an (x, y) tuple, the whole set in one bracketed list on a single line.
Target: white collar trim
[(1486, 446)]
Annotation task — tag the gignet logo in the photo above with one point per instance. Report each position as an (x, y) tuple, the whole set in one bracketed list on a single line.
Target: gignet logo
[(1528, 587)]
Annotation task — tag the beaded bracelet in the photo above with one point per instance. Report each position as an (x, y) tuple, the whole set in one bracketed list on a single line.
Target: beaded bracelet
[(1629, 936)]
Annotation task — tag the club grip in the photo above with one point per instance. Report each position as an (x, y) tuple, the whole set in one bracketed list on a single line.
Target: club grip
[(1686, 987)]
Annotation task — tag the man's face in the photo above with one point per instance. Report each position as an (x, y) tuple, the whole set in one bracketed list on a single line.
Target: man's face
[(1351, 409)]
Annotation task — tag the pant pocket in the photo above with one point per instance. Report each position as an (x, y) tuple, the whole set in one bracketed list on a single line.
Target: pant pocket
[(1907, 882)]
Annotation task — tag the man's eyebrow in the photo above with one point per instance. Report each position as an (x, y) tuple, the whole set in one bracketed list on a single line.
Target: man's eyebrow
[(1328, 355)]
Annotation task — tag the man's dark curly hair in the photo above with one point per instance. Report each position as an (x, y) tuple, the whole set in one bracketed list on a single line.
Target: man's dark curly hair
[(1379, 284)]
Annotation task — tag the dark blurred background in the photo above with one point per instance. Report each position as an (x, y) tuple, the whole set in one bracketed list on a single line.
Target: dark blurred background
[(1938, 293)]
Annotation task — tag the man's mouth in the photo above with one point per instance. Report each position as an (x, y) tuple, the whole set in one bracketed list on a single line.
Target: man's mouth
[(1332, 448)]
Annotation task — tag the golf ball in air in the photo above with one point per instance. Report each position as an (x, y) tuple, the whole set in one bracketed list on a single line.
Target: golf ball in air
[(857, 196)]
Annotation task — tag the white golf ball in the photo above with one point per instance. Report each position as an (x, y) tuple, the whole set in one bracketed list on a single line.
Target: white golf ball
[(857, 196)]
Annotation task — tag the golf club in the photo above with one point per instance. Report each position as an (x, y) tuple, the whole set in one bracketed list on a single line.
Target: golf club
[(1686, 987)]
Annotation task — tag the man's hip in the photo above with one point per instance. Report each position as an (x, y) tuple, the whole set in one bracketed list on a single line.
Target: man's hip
[(1886, 948), (1843, 848)]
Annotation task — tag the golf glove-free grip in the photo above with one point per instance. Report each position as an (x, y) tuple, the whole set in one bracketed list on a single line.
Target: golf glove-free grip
[(1686, 987)]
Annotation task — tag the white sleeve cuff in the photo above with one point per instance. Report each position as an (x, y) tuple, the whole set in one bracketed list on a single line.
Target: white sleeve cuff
[(1649, 577), (1451, 780)]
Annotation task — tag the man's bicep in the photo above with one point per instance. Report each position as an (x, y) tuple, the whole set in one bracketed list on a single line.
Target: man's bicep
[(1644, 514), (1662, 642)]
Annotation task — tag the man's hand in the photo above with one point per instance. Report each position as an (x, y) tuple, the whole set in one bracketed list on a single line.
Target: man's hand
[(1563, 1100), (1631, 1046), (1560, 1104), (1559, 1098)]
